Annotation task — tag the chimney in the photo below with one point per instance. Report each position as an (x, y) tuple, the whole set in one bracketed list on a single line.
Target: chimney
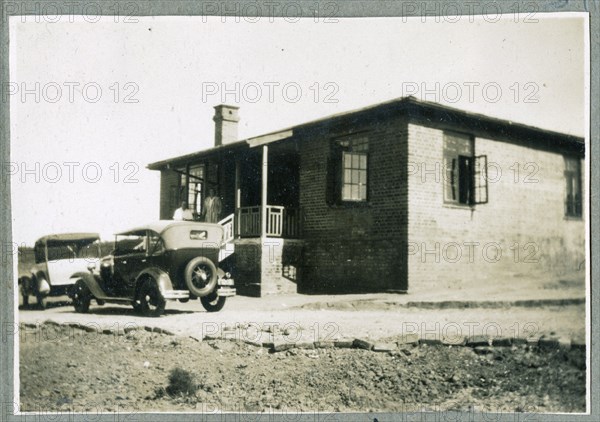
[(226, 124)]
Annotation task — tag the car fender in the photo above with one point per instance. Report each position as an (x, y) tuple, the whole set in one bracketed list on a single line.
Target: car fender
[(40, 283), (162, 278), (91, 282)]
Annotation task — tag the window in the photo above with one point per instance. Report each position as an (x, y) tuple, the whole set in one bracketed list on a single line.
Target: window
[(190, 187), (465, 176), (573, 192), (130, 243), (155, 244), (348, 170), (198, 235), (39, 252), (196, 176)]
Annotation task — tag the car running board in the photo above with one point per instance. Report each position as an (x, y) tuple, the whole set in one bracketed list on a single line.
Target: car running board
[(113, 299)]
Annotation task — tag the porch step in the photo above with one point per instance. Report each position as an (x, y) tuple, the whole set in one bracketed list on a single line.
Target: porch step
[(227, 250)]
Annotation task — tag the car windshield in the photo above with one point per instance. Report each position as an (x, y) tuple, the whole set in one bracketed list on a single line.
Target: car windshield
[(59, 250), (130, 243)]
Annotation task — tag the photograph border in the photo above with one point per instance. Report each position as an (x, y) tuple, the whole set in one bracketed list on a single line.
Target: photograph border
[(352, 8)]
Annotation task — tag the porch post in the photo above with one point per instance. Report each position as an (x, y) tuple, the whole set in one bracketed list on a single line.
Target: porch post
[(238, 197), (263, 197)]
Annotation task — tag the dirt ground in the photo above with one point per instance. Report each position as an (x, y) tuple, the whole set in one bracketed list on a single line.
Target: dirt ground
[(91, 372), (68, 369)]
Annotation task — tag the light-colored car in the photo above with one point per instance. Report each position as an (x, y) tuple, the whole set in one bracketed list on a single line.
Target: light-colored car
[(164, 260), (57, 257)]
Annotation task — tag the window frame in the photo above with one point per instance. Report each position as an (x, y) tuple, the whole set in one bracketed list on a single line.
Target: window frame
[(475, 181), (336, 169)]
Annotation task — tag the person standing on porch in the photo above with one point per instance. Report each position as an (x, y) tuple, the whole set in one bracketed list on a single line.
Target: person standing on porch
[(183, 213), (212, 207)]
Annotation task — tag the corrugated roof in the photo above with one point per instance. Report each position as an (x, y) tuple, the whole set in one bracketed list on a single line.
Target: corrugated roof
[(402, 104)]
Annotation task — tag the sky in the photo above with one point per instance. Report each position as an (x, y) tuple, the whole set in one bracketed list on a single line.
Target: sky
[(92, 104)]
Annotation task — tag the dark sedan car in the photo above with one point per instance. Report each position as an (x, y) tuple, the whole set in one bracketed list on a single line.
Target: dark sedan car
[(165, 260)]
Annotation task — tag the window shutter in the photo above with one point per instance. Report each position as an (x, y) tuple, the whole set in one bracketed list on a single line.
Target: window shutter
[(480, 180)]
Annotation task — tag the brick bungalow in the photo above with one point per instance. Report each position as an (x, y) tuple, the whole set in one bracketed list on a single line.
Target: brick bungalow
[(402, 193)]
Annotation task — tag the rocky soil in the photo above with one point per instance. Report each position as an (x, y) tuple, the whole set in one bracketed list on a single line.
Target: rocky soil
[(68, 369)]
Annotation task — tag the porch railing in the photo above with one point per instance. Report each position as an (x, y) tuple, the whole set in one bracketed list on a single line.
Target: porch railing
[(227, 224), (281, 222)]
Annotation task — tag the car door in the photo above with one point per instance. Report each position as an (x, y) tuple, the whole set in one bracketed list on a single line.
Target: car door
[(130, 259), (156, 251)]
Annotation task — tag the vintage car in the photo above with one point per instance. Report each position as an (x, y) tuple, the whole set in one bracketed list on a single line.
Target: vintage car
[(165, 260), (57, 257)]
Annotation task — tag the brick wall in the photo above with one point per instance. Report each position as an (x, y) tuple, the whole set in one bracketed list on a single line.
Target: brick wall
[(355, 248), (266, 266), (168, 179), (279, 262), (524, 220)]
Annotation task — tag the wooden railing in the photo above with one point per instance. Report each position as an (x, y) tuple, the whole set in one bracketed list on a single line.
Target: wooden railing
[(291, 223), (227, 224), (281, 222), (248, 221)]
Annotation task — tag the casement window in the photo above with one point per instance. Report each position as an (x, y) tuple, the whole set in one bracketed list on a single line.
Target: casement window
[(196, 179), (465, 175), (573, 192), (190, 187), (348, 170)]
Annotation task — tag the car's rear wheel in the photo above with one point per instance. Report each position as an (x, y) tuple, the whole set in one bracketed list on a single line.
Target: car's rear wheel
[(150, 301), (213, 302), (201, 276), (81, 297)]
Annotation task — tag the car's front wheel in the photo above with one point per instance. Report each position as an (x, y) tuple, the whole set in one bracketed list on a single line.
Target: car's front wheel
[(24, 283), (150, 301), (201, 276), (41, 300), (213, 302), (81, 297)]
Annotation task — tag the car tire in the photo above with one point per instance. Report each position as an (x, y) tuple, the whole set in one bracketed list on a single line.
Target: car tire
[(24, 283), (25, 297), (201, 276), (81, 297), (41, 301), (150, 301), (213, 302)]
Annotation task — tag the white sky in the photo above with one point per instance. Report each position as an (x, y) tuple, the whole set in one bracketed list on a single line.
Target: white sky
[(170, 58)]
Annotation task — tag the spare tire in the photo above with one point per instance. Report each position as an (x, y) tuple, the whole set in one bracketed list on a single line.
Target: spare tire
[(201, 276)]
